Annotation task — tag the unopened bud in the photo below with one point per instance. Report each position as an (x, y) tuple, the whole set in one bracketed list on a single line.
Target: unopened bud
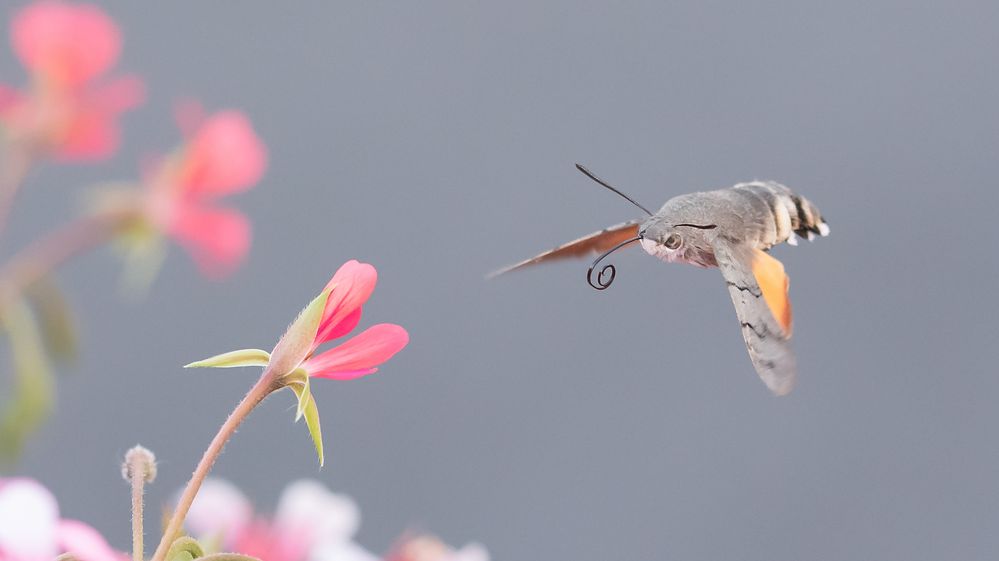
[(139, 462)]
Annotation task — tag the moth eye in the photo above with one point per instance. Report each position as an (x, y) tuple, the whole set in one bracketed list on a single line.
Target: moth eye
[(673, 241)]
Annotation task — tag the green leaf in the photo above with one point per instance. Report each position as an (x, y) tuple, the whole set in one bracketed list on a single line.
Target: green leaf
[(31, 394), (184, 548), (55, 318), (234, 359), (296, 343)]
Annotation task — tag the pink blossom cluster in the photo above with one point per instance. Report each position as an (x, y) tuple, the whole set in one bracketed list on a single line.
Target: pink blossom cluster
[(310, 524), (71, 111)]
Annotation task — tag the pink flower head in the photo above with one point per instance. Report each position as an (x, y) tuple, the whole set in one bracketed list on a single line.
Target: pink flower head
[(360, 355), (309, 520), (69, 111), (431, 548), (334, 313), (31, 530), (222, 156)]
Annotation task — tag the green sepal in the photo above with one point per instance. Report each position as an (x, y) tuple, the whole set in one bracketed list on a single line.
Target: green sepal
[(31, 394), (185, 548), (142, 259), (296, 343), (307, 408), (55, 318), (298, 381), (234, 359), (312, 421)]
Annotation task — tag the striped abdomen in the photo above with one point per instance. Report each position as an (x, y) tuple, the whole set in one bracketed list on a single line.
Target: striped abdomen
[(784, 214)]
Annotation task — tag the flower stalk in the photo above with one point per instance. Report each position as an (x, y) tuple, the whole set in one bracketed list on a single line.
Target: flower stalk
[(49, 252), (15, 162), (139, 468), (267, 384)]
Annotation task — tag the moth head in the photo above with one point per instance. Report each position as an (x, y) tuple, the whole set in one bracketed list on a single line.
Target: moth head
[(675, 242)]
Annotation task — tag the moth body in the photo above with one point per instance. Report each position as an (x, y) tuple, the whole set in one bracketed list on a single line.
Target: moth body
[(759, 213)]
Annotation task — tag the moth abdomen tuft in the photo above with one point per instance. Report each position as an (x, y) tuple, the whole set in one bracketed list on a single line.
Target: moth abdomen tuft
[(810, 221)]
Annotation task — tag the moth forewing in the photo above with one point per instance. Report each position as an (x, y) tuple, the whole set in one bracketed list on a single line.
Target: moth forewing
[(590, 244)]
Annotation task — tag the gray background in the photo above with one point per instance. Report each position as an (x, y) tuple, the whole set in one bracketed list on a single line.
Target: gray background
[(547, 420)]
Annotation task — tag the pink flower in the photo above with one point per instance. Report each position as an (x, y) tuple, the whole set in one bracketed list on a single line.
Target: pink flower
[(222, 156), (331, 315), (31, 530), (311, 523), (431, 548), (68, 111), (348, 290)]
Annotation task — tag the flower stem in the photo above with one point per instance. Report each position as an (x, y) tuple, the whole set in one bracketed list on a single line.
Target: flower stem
[(264, 386), (138, 487), (15, 161), (139, 468), (49, 252)]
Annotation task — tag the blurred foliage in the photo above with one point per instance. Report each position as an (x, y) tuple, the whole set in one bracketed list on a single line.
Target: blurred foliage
[(30, 397), (38, 327), (55, 318)]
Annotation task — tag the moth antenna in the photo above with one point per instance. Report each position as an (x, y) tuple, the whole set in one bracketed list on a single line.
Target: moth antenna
[(600, 283), (589, 174)]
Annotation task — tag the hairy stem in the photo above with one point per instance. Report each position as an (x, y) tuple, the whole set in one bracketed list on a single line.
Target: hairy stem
[(139, 468), (264, 386), (138, 488)]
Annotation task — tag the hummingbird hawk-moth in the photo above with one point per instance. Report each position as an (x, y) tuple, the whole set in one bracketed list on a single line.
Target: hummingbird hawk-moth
[(731, 229)]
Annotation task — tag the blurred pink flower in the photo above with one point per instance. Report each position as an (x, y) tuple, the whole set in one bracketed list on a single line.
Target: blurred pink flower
[(31, 530), (360, 355), (431, 548), (311, 523), (68, 110), (222, 156)]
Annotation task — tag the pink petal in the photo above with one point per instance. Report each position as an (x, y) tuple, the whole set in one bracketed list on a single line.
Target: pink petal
[(343, 375), (90, 135), (363, 352), (120, 94), (29, 515), (225, 156), (344, 326), (351, 285), (85, 543), (218, 239), (263, 541), (9, 97), (68, 44), (92, 132)]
